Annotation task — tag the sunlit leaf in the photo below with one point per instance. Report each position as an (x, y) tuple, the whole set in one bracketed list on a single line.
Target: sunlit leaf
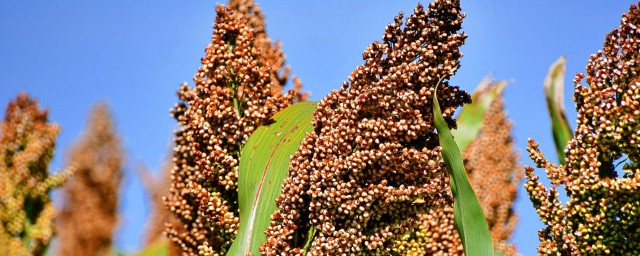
[(468, 216), (263, 167)]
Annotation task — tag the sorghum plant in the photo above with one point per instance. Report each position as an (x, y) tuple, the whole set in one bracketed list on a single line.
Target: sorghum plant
[(601, 215), (373, 161), (90, 208), (493, 171), (27, 144), (233, 94)]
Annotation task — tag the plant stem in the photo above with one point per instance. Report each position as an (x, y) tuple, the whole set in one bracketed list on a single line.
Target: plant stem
[(310, 236)]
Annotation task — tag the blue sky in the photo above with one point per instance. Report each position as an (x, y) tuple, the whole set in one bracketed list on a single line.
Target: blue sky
[(134, 54)]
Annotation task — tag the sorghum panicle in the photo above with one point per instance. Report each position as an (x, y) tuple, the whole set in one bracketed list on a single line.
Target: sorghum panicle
[(601, 215), (493, 171), (27, 144), (233, 95), (271, 52), (89, 215), (373, 161)]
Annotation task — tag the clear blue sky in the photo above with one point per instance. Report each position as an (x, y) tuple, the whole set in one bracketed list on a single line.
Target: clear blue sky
[(134, 54)]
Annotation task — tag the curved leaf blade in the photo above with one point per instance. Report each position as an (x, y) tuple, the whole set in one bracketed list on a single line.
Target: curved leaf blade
[(468, 216), (554, 91), (263, 167), (471, 117)]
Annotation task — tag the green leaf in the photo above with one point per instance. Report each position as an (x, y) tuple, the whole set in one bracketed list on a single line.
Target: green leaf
[(471, 117), (158, 248), (263, 167), (554, 90), (467, 213)]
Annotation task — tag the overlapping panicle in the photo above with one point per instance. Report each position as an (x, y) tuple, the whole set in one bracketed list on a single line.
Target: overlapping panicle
[(602, 175), (90, 209), (493, 171), (27, 145), (373, 161), (232, 96)]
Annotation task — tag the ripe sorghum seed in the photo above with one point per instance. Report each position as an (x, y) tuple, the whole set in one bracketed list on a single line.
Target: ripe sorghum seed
[(354, 158), (203, 192)]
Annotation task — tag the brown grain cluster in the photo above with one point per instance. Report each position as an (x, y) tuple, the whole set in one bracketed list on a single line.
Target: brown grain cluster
[(493, 171), (602, 175), (233, 95), (373, 161), (27, 145), (271, 52), (89, 215)]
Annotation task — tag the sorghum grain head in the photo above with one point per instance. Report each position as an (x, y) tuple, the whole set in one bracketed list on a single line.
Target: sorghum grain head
[(601, 215), (373, 161), (233, 95)]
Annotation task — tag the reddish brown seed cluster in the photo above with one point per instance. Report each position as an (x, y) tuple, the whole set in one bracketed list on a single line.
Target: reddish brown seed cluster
[(493, 171), (27, 143), (232, 96), (492, 166), (602, 174), (435, 235), (373, 161), (90, 211), (271, 52)]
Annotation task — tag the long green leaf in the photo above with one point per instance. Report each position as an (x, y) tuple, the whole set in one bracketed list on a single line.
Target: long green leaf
[(263, 167), (554, 90), (471, 117), (468, 216)]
